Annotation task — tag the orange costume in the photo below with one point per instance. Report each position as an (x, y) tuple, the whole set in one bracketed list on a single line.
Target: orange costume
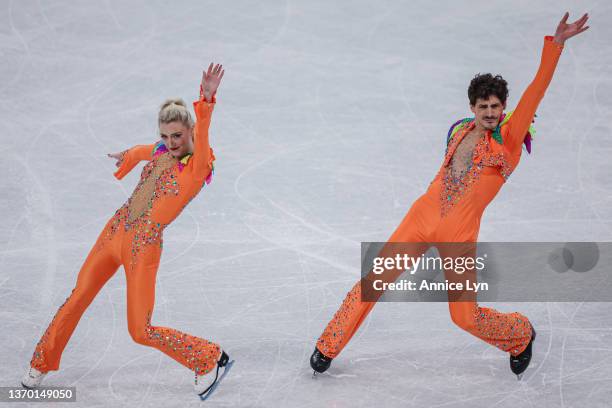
[(450, 211), (133, 238)]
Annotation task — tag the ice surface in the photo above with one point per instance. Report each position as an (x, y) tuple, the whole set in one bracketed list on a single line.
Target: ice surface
[(331, 120)]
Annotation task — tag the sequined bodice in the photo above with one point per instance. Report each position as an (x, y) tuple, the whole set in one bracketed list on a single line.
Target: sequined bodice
[(164, 189), (468, 155), (149, 186), (462, 158)]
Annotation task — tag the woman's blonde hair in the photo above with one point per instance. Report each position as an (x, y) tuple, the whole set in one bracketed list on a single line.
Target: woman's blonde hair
[(175, 110)]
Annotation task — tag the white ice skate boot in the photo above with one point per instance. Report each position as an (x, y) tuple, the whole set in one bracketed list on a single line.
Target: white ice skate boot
[(32, 378), (205, 384)]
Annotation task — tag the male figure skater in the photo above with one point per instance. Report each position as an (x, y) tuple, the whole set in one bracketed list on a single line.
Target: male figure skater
[(481, 154)]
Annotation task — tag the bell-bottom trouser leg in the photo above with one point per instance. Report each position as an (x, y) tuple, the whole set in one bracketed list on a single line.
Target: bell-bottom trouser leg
[(197, 354), (353, 310), (100, 265), (509, 332)]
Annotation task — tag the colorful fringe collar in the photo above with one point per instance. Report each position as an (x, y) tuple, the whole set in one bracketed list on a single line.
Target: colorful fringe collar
[(496, 135), (160, 148)]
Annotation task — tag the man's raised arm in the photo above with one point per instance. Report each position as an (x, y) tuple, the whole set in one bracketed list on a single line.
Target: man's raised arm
[(526, 108)]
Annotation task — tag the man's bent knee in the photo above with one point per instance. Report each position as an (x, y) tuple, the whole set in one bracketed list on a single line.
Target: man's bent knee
[(466, 321)]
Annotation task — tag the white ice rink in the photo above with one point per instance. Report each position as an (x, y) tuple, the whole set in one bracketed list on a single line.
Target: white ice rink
[(331, 120)]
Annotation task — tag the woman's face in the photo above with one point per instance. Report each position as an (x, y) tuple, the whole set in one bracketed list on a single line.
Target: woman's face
[(177, 138)]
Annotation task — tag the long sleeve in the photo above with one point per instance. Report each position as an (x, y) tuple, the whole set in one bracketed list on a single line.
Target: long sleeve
[(132, 157), (518, 124), (202, 153)]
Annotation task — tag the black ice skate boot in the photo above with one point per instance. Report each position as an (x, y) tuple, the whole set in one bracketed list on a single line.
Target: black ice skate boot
[(319, 362), (518, 364)]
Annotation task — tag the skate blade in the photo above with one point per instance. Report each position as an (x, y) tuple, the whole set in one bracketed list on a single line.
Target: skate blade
[(519, 377), (216, 384), (314, 374)]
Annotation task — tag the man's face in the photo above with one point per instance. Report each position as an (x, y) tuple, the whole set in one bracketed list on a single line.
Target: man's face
[(487, 112)]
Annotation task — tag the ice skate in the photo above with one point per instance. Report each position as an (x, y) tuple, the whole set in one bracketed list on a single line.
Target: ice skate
[(32, 378), (518, 364), (319, 362), (206, 384)]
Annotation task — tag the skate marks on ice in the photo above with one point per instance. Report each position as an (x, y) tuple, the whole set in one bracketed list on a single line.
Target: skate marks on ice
[(363, 161)]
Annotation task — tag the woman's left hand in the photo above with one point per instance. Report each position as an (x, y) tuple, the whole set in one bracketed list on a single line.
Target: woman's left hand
[(211, 80)]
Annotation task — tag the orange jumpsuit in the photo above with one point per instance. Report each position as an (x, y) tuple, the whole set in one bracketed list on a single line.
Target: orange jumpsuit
[(450, 211), (133, 238)]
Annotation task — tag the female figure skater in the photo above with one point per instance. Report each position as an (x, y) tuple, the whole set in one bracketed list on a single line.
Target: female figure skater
[(179, 165), (481, 154)]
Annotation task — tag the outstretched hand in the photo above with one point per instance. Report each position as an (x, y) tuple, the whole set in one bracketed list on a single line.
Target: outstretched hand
[(211, 80), (565, 31), (118, 157)]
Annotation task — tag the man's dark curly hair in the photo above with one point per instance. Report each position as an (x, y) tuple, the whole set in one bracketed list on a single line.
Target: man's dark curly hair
[(485, 85)]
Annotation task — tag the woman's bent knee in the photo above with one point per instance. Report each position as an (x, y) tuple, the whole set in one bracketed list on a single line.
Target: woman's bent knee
[(139, 334)]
